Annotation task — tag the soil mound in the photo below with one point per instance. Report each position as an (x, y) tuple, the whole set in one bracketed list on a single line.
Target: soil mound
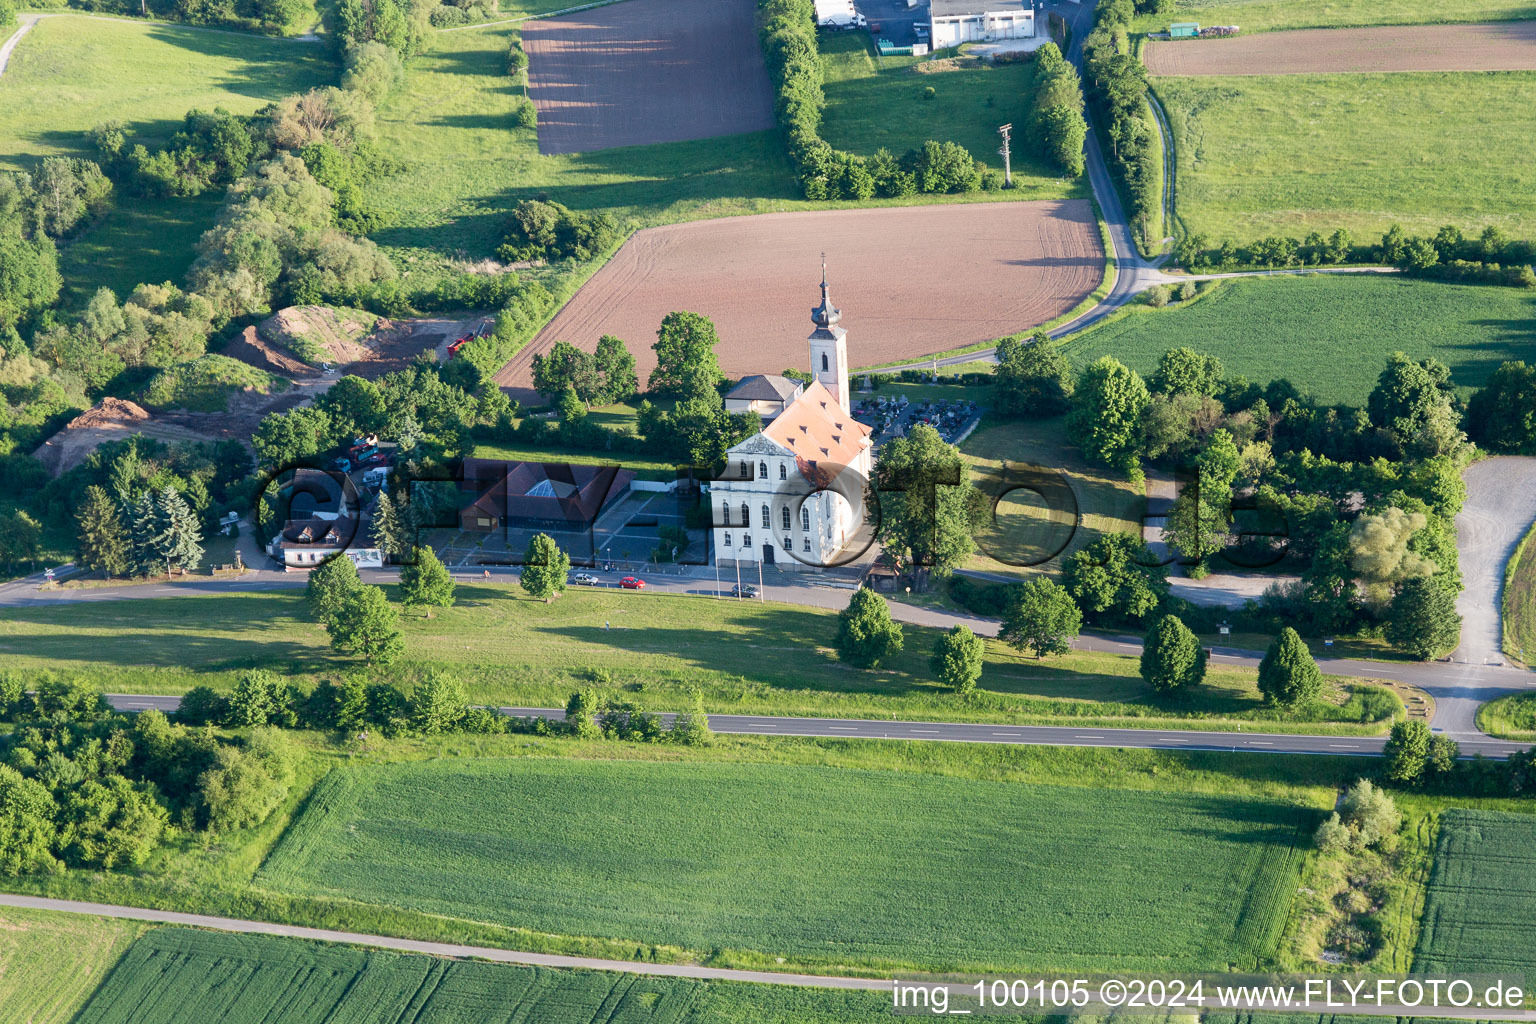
[(321, 334)]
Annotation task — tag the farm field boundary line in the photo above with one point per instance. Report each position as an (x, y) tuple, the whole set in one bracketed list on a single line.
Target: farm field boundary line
[(1498, 46), (443, 949)]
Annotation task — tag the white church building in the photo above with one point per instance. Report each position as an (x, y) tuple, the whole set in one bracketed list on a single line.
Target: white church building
[(792, 495)]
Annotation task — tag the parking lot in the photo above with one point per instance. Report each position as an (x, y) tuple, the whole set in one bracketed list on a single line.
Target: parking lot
[(625, 534), (897, 22)]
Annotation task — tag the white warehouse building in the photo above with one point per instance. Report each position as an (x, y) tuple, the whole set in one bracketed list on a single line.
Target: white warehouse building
[(980, 21)]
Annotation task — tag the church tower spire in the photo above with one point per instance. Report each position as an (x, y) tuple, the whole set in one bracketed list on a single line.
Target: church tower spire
[(826, 314), (829, 345)]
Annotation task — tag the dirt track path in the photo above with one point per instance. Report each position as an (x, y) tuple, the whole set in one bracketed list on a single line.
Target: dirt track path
[(1499, 46)]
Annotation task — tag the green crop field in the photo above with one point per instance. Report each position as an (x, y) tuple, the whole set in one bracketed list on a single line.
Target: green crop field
[(1329, 334), (874, 102), (51, 963), (1264, 15), (246, 979), (816, 864), (746, 657), (70, 73), (1480, 912), (1291, 154)]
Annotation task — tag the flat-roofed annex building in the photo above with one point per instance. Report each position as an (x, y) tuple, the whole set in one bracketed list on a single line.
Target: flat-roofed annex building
[(975, 21)]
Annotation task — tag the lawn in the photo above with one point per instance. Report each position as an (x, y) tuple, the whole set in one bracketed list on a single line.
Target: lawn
[(1026, 530), (1330, 335), (71, 73), (246, 979), (821, 865), (1509, 717), (874, 102), (1519, 611), (51, 963), (745, 657), (1292, 154), (1264, 15), (1480, 913)]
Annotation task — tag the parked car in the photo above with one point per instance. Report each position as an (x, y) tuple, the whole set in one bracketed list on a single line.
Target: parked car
[(632, 583), (586, 579), (344, 464), (743, 590)]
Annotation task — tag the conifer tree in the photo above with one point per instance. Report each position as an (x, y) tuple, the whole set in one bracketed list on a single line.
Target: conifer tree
[(101, 537)]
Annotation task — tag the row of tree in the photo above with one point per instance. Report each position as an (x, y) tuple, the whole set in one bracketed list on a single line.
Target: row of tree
[(1117, 88), (1056, 113), (1492, 257)]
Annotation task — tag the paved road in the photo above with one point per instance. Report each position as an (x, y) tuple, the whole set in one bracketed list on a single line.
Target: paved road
[(987, 732)]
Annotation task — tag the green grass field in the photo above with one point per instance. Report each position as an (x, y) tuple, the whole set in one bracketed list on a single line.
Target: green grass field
[(1519, 610), (70, 73), (874, 102), (819, 865), (745, 657), (1026, 531), (1510, 717), (1264, 15), (1291, 154), (1480, 912), (1329, 335), (51, 963), (246, 979)]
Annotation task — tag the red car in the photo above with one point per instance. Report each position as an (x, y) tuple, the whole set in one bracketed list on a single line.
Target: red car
[(631, 583)]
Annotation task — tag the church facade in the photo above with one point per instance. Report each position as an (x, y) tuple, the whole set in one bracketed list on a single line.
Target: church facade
[(792, 495)]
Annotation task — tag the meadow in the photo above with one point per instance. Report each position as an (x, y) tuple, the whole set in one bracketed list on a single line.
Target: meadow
[(286, 981), (1025, 530), (1292, 154), (879, 101), (1329, 334), (71, 73), (1264, 15), (1480, 911), (51, 963), (826, 866), (1511, 717), (745, 657)]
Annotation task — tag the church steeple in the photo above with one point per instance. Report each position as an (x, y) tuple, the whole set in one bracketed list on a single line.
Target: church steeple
[(829, 345), (826, 314)]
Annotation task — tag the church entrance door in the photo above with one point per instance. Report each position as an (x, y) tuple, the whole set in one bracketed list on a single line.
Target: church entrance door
[(767, 554)]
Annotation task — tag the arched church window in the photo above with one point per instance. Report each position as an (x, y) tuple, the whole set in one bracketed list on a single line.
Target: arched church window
[(725, 513), (762, 470), (805, 518), (785, 516), (727, 540), (746, 515), (745, 472), (807, 545), (783, 471), (823, 362), (767, 518)]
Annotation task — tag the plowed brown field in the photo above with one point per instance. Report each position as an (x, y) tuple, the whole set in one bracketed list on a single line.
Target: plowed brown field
[(911, 281), (1503, 46), (647, 71)]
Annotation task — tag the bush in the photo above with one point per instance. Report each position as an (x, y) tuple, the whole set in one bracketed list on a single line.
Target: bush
[(866, 634), (541, 230)]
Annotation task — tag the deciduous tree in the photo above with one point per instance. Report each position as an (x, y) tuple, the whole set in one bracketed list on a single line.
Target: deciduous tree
[(329, 586), (426, 582), (686, 365), (545, 568), (1422, 620), (957, 658), (1105, 422), (1042, 617), (366, 624), (1288, 676), (866, 633), (1172, 660)]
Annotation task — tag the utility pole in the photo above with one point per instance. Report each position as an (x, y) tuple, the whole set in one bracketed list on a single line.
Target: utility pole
[(1006, 152)]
